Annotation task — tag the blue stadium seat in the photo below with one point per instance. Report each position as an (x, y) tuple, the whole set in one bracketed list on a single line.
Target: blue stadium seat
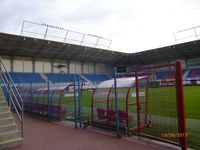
[(97, 77), (59, 77), (19, 77), (194, 74)]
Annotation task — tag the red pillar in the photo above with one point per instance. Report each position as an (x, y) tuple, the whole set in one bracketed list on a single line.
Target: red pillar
[(180, 107)]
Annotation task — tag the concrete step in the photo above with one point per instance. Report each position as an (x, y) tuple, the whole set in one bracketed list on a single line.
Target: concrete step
[(3, 103), (5, 114), (8, 127), (6, 121), (11, 143), (9, 135), (2, 97), (4, 109)]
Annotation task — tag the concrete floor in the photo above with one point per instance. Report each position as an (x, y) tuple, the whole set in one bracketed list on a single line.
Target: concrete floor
[(44, 135)]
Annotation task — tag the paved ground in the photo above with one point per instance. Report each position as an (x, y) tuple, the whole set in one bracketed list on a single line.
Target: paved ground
[(43, 135)]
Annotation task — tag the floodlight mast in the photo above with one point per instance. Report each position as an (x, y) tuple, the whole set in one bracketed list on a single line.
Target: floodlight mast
[(66, 38), (195, 34)]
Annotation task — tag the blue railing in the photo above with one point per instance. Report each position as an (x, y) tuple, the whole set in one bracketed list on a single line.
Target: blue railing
[(15, 100)]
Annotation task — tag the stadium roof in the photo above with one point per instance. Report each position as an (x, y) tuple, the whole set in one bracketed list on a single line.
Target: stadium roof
[(15, 45)]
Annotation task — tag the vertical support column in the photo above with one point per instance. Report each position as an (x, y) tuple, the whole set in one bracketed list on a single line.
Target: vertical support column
[(33, 63), (9, 100), (12, 63), (68, 67), (19, 88), (116, 105), (79, 104), (180, 106), (49, 101), (52, 68), (75, 115), (95, 71), (82, 64), (137, 100)]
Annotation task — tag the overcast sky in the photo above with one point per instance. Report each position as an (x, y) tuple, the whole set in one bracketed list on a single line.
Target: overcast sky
[(133, 25)]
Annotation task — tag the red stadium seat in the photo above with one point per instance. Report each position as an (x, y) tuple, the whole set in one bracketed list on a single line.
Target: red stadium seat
[(111, 115), (101, 113), (123, 116)]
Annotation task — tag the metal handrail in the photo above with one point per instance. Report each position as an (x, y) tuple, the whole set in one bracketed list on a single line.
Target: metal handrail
[(11, 98), (15, 98), (10, 88), (11, 80)]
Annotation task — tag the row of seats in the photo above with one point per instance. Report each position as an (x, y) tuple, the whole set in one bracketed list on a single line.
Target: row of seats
[(28, 106), (58, 77), (55, 77), (109, 114), (164, 75), (190, 74), (194, 73), (97, 77), (27, 78)]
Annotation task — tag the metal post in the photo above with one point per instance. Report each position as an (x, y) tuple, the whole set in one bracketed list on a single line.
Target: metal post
[(195, 32), (22, 27), (22, 113), (31, 97), (9, 94), (49, 101), (19, 88), (82, 39), (109, 43), (116, 105), (45, 34), (79, 100), (180, 106), (137, 100), (75, 116), (66, 36)]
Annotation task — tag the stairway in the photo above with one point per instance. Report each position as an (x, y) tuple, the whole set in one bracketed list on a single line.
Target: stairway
[(186, 74), (44, 77), (9, 134), (86, 79)]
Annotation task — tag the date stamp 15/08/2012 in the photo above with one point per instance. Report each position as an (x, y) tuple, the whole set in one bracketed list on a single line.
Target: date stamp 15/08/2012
[(174, 135)]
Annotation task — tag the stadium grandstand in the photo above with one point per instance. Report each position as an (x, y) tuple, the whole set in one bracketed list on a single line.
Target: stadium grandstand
[(36, 60), (40, 66)]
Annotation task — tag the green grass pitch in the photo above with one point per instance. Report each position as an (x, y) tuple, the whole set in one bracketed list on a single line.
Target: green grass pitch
[(192, 110)]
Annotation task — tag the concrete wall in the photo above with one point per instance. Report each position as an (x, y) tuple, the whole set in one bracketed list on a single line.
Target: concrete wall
[(28, 65), (100, 68), (21, 64), (55, 68), (47, 67), (39, 67), (72, 68), (85, 68), (7, 63), (18, 65), (24, 64), (88, 68)]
